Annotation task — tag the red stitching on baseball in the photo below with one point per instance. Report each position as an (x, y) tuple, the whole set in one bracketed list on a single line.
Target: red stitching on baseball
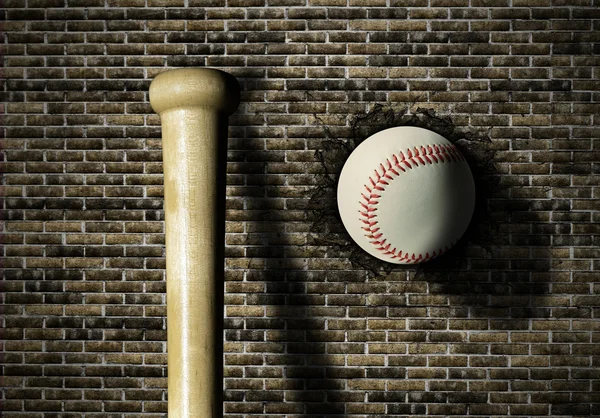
[(436, 154)]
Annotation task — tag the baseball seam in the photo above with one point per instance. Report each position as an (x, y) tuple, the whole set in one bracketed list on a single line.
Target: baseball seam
[(387, 172)]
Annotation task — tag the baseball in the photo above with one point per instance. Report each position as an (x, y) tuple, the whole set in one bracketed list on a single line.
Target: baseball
[(406, 195)]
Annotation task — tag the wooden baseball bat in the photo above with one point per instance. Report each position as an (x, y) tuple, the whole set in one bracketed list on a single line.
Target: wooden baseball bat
[(194, 105)]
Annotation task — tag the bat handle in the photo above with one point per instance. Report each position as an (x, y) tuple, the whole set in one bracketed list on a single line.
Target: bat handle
[(194, 105)]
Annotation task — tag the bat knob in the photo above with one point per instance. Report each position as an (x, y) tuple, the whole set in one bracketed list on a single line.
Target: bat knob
[(195, 87)]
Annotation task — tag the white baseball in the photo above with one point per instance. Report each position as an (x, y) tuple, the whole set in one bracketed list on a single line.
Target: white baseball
[(406, 195)]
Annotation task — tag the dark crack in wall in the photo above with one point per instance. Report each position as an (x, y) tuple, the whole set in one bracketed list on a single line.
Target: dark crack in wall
[(475, 145)]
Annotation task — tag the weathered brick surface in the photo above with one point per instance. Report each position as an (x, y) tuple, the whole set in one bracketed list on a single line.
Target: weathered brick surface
[(512, 330)]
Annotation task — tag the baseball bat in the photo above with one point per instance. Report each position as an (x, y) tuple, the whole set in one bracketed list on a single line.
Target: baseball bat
[(194, 105)]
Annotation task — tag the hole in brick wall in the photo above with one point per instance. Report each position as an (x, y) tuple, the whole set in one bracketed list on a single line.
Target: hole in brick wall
[(327, 228)]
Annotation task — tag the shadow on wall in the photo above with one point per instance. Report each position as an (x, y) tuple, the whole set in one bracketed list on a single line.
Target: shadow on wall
[(317, 319), (506, 238)]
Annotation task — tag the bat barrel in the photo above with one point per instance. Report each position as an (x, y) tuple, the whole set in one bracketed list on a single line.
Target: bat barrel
[(194, 105)]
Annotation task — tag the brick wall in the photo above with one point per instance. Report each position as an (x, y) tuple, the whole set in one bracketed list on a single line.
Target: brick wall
[(507, 327)]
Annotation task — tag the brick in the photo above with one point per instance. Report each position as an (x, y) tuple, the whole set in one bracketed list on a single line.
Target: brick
[(84, 235)]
